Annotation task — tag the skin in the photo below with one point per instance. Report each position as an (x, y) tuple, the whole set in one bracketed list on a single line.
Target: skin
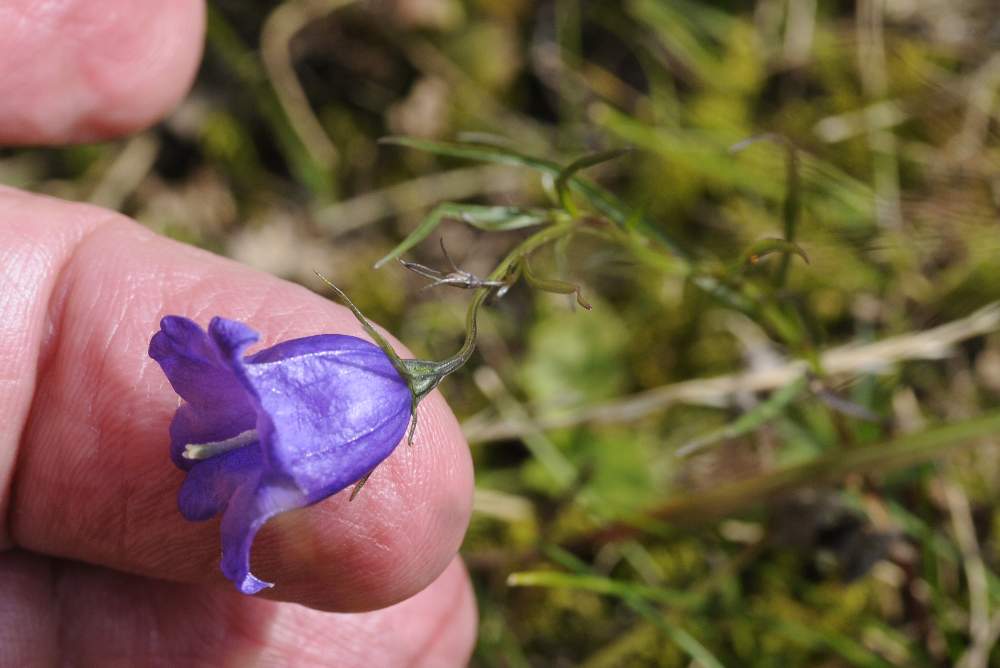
[(97, 567)]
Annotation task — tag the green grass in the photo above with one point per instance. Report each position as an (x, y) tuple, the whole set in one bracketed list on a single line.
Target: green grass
[(736, 458)]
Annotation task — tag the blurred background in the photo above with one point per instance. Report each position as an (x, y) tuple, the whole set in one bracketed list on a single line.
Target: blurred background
[(737, 458)]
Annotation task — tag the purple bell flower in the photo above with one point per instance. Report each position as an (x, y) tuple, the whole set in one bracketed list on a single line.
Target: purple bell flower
[(280, 429)]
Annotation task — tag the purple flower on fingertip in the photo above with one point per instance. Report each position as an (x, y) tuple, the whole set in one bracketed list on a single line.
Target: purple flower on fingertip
[(280, 429)]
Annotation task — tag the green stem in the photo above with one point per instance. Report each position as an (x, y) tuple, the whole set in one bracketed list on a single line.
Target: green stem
[(502, 271), (422, 376), (791, 207)]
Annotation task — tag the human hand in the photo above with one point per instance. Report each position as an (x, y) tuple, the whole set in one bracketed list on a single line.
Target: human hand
[(97, 566)]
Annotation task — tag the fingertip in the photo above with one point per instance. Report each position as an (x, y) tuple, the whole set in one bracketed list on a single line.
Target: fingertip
[(83, 71), (99, 430), (455, 639), (434, 628)]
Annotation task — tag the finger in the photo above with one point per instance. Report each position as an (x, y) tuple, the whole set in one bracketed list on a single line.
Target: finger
[(80, 70), (91, 616), (93, 480)]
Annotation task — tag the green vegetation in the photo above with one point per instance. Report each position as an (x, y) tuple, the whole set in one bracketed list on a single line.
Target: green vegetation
[(774, 440)]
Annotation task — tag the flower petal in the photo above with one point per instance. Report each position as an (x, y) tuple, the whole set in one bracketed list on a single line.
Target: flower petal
[(212, 482), (231, 337), (337, 408), (350, 350), (254, 502), (194, 363), (200, 368)]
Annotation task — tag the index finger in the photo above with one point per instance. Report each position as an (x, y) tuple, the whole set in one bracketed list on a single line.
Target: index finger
[(93, 480)]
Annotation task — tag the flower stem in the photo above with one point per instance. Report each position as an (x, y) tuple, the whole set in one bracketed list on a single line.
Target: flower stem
[(422, 376)]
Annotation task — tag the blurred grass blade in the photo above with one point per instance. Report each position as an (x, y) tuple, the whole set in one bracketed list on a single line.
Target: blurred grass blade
[(903, 451), (764, 412), (487, 218), (486, 139), (597, 584), (829, 468), (716, 287), (565, 558), (491, 153), (833, 195), (855, 653), (791, 208), (761, 249), (695, 649), (689, 32), (604, 201), (584, 162), (240, 60), (637, 596)]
